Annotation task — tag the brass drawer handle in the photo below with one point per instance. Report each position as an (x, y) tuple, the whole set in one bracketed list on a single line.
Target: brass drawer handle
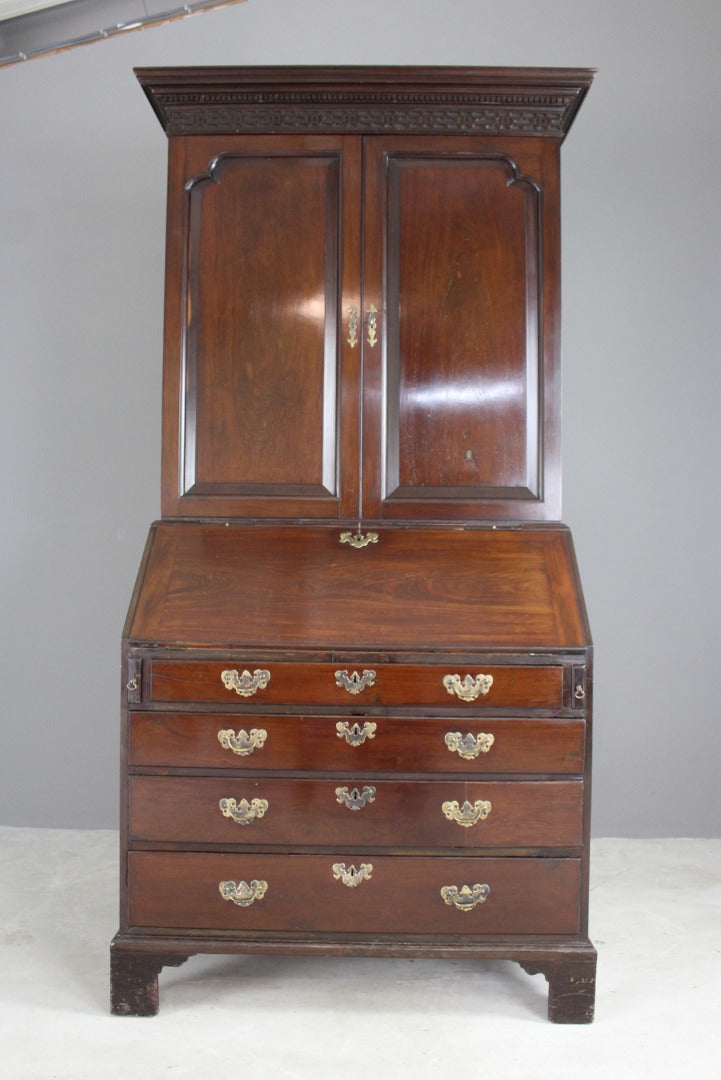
[(243, 812), (469, 746), (242, 893), (246, 684), (468, 814), (354, 683), (465, 898), (349, 875), (468, 689), (355, 799), (242, 743), (355, 735)]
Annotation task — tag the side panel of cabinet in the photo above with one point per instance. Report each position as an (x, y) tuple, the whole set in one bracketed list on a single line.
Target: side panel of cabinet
[(261, 387), (461, 257)]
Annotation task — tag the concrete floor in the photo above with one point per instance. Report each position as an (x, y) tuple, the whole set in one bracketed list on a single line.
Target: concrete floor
[(655, 918)]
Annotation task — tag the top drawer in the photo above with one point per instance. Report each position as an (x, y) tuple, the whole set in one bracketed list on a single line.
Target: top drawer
[(363, 687)]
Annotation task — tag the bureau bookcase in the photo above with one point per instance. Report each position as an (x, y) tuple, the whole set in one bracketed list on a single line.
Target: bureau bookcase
[(357, 668)]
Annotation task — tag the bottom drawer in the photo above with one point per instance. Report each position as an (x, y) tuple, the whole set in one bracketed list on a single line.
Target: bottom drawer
[(340, 894)]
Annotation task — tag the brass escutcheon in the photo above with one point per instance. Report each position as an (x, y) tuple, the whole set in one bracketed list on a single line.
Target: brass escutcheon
[(349, 875), (465, 898), (243, 812), (354, 683), (242, 893), (468, 814), (354, 734), (242, 743), (355, 799), (358, 539), (245, 684), (469, 746), (353, 326), (372, 325), (469, 688)]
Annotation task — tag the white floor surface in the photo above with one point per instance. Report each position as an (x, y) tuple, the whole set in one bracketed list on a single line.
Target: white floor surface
[(655, 919)]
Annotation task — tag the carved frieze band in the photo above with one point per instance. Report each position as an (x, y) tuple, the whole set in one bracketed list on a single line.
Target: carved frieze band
[(244, 111)]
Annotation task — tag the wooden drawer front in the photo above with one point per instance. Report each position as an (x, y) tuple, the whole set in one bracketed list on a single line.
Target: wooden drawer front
[(401, 895), (378, 813), (380, 744), (317, 684)]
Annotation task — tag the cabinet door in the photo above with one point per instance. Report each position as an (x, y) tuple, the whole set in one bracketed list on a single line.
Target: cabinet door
[(460, 263), (261, 385)]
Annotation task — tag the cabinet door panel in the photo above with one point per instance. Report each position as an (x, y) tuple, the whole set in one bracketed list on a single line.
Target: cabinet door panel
[(454, 242), (260, 379)]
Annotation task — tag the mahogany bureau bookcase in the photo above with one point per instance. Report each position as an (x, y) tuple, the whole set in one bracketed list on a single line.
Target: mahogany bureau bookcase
[(357, 668)]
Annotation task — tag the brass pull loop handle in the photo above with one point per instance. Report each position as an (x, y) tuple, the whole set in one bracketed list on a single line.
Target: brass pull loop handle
[(242, 744), (245, 684), (354, 734), (469, 746), (354, 683), (243, 812), (469, 688), (242, 893), (467, 815), (355, 799), (349, 875), (465, 898)]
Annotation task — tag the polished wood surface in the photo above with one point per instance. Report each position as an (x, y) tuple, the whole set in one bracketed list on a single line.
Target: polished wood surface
[(430, 265), (528, 896), (259, 396), (453, 235), (316, 685), (396, 744), (362, 335), (401, 814), (273, 587)]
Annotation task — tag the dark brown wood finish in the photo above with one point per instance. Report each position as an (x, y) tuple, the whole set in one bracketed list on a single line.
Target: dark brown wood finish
[(460, 258), (399, 814), (431, 589), (392, 744), (264, 392), (361, 337), (527, 896), (317, 685), (431, 261)]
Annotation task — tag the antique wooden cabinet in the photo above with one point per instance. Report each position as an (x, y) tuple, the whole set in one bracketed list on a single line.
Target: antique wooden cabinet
[(356, 678)]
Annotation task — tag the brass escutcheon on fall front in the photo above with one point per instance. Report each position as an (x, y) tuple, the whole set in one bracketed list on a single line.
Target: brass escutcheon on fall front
[(468, 814), (245, 684), (242, 743), (469, 688), (465, 898), (358, 539), (242, 893), (469, 746)]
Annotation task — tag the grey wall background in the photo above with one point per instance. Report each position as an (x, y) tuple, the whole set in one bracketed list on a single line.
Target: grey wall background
[(82, 160)]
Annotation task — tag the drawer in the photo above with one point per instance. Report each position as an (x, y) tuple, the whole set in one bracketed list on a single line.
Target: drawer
[(334, 743), (384, 895), (247, 682), (377, 813)]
